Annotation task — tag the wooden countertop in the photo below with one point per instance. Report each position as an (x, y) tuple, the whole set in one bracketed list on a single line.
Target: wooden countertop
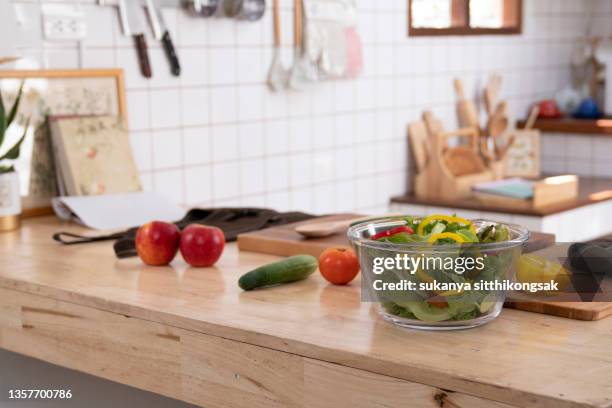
[(193, 334), (591, 190), (601, 127)]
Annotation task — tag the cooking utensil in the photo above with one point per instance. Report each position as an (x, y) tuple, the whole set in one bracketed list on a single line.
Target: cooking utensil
[(463, 160), (131, 21), (161, 33), (466, 110), (533, 116), (502, 152), (491, 93), (326, 228), (203, 8), (433, 125), (498, 122), (354, 53), (298, 77), (419, 144), (278, 75), (251, 10), (485, 151)]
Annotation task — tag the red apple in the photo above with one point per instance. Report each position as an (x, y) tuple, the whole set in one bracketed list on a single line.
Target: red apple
[(202, 245), (157, 242)]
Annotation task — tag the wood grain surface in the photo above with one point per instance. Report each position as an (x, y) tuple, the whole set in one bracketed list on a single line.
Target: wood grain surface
[(197, 368), (591, 190), (602, 127), (285, 241), (521, 359)]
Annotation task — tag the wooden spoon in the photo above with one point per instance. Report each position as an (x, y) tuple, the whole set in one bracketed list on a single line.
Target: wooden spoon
[(463, 160), (326, 228), (498, 122)]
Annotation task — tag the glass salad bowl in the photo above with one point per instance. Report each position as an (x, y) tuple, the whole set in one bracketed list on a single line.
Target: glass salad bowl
[(438, 272)]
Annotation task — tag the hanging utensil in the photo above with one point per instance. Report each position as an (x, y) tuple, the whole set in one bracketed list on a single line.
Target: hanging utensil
[(161, 33), (203, 8), (298, 77), (250, 10), (278, 75), (131, 21)]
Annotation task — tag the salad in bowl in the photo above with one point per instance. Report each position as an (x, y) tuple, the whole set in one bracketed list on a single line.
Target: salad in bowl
[(438, 272)]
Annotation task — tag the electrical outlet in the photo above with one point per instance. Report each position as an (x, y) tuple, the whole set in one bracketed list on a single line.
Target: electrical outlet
[(63, 23)]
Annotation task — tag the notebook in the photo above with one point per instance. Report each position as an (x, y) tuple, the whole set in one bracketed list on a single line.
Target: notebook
[(513, 188), (93, 155)]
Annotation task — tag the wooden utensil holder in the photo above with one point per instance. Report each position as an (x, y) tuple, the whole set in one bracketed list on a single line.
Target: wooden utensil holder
[(434, 179)]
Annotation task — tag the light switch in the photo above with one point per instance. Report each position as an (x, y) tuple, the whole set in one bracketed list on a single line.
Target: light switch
[(63, 22)]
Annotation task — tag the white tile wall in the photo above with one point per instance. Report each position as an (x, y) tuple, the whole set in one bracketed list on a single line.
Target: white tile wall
[(217, 136), (586, 155)]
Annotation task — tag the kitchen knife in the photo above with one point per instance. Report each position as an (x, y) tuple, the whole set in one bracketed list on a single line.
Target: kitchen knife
[(161, 33), (131, 21)]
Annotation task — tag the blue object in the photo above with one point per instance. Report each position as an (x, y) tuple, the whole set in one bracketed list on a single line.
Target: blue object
[(513, 188), (588, 109)]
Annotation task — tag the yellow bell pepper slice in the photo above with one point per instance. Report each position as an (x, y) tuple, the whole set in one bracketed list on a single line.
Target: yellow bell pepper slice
[(537, 269), (443, 235), (449, 219)]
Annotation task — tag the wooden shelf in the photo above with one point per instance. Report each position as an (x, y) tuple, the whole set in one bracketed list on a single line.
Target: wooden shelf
[(571, 125), (591, 190)]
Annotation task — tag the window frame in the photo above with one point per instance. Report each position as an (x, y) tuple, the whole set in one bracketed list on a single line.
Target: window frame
[(460, 17)]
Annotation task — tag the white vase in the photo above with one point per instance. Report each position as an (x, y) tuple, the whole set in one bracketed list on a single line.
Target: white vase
[(10, 201)]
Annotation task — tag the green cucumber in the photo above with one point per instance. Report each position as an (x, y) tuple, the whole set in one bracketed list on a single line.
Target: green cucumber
[(291, 269)]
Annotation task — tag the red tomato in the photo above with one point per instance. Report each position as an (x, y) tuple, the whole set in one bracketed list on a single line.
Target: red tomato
[(338, 265), (440, 304)]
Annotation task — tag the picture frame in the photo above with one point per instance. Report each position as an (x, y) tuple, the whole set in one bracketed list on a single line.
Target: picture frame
[(54, 92), (523, 157)]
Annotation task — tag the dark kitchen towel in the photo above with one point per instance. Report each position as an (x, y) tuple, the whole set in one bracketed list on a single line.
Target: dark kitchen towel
[(232, 221), (593, 257)]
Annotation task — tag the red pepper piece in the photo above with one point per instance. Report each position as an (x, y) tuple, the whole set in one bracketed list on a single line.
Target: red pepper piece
[(393, 231)]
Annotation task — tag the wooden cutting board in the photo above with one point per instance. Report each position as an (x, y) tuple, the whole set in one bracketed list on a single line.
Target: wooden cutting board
[(570, 310), (284, 241)]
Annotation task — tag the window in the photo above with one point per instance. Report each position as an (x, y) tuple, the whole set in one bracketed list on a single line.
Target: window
[(464, 17)]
